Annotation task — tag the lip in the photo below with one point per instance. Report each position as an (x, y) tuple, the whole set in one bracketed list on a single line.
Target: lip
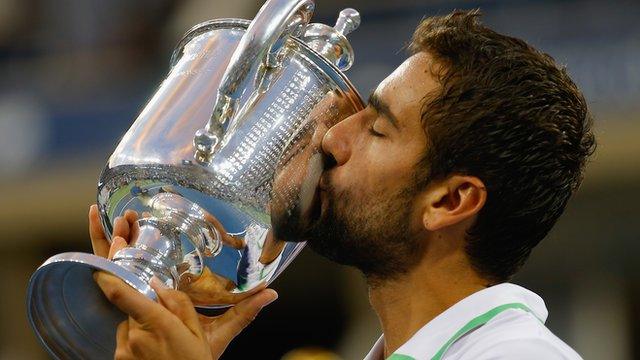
[(323, 196), (318, 203), (323, 182)]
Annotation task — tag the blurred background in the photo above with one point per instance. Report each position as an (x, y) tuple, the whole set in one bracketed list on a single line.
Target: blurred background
[(75, 73)]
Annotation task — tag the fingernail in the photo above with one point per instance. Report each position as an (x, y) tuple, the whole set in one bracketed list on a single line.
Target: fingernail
[(120, 239), (274, 295)]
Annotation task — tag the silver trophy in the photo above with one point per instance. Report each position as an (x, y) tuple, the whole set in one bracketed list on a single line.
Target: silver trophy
[(220, 169)]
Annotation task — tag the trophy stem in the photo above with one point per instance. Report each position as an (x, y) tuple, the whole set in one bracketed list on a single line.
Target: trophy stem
[(154, 253), (172, 243)]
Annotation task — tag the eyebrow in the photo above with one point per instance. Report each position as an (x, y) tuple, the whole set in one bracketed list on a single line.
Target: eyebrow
[(382, 108)]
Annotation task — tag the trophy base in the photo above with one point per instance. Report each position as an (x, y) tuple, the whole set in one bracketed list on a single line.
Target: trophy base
[(67, 310)]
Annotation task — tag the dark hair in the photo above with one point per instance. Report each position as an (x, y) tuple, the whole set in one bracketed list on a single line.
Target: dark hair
[(506, 113)]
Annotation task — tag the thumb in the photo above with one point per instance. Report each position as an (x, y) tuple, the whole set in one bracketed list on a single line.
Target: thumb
[(243, 313), (129, 300)]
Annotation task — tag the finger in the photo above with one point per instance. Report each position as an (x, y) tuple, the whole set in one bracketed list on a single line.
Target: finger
[(131, 216), (122, 333), (132, 324), (233, 241), (211, 288), (99, 241), (117, 244), (271, 249), (223, 296), (179, 304), (214, 221), (142, 309), (221, 330), (134, 228), (242, 314), (121, 227), (122, 341), (238, 297), (235, 298)]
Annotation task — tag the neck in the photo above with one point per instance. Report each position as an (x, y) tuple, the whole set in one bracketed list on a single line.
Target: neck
[(406, 304)]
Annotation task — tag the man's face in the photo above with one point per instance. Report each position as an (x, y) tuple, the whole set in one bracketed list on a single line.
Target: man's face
[(369, 217)]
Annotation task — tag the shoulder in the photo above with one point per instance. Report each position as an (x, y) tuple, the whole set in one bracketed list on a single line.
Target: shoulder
[(513, 334)]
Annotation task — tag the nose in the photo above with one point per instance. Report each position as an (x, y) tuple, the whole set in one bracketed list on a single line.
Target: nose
[(336, 142)]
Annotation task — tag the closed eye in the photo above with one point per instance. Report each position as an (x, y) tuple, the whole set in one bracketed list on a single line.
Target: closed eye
[(382, 108), (375, 133)]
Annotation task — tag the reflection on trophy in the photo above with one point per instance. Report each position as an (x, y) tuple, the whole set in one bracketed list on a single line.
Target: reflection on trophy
[(219, 173)]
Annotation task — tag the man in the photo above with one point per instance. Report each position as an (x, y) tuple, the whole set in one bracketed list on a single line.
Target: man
[(437, 191)]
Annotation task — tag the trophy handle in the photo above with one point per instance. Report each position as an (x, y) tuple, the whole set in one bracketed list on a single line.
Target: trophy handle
[(276, 21)]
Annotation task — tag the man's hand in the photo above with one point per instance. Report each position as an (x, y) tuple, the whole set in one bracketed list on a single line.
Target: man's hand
[(125, 229), (171, 329), (208, 288)]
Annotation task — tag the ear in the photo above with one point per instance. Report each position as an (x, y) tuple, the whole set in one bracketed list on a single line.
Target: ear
[(452, 201)]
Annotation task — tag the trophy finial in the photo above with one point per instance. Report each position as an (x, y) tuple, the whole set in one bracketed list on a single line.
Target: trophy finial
[(348, 20), (331, 41)]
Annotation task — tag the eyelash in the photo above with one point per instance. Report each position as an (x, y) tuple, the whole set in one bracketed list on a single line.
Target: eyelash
[(375, 133), (371, 131)]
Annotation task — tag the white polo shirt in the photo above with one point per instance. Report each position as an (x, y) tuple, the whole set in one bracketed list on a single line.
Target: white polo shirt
[(504, 321)]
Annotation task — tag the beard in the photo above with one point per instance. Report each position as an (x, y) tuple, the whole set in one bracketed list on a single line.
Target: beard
[(371, 232)]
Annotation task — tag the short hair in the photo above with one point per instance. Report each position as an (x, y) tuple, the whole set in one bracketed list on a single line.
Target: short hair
[(506, 113)]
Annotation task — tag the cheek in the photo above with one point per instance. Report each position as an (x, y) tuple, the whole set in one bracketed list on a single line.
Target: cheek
[(375, 173), (388, 161)]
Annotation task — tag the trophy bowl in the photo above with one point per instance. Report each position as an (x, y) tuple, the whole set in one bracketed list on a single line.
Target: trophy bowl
[(220, 172)]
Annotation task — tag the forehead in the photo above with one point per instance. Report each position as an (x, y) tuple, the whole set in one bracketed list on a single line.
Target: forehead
[(405, 88)]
